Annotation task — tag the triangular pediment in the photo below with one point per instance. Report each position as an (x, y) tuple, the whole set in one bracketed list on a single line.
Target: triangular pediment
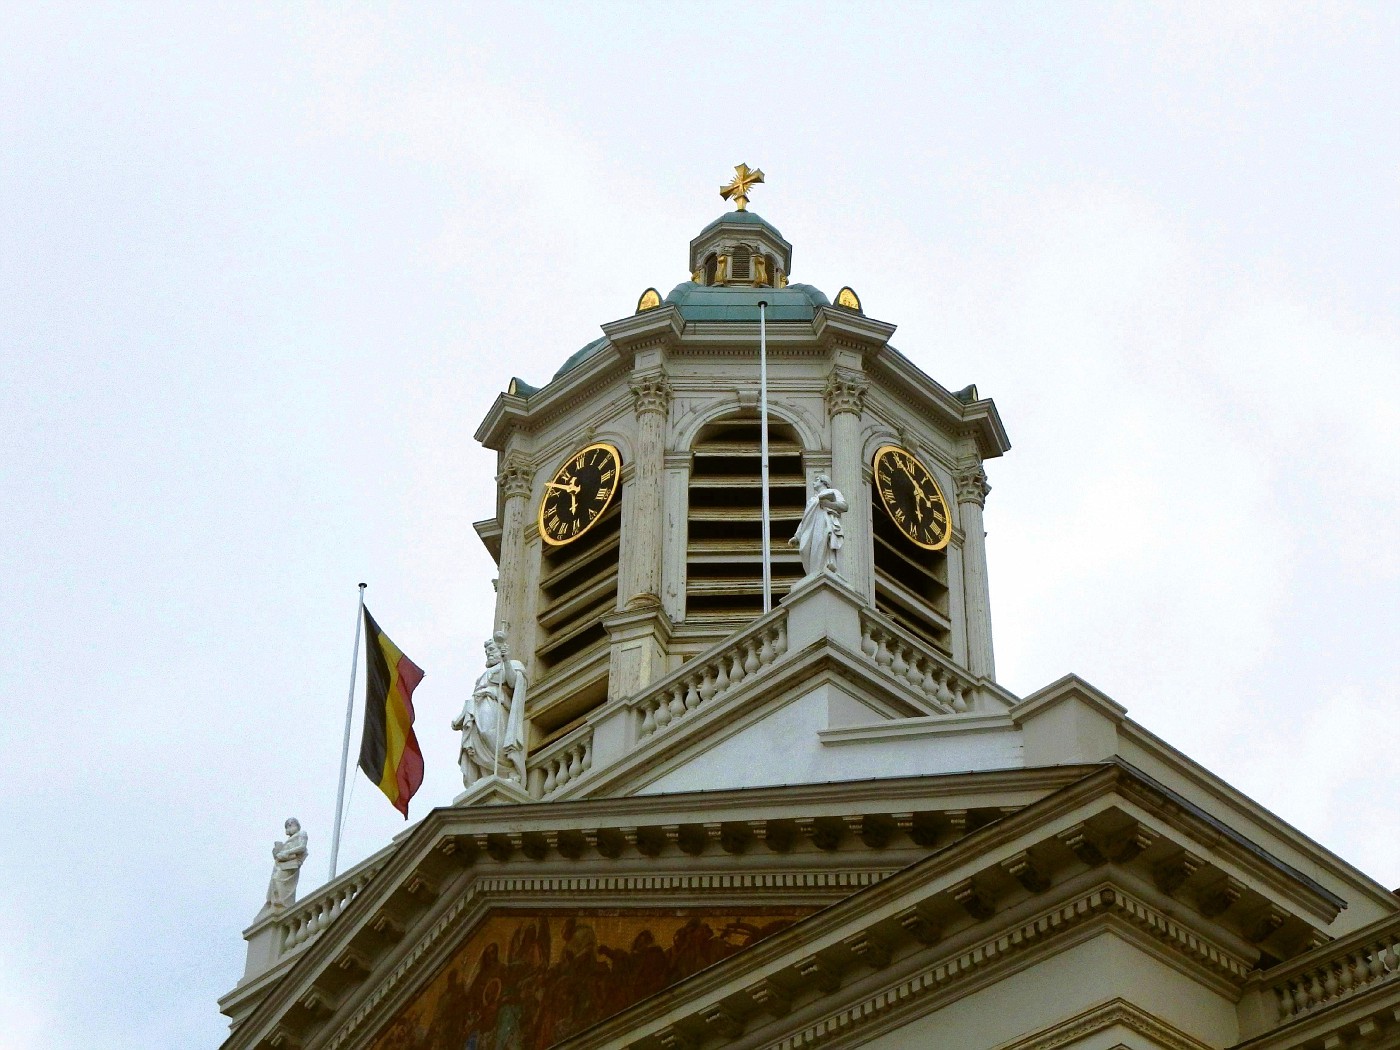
[(386, 926), (886, 870)]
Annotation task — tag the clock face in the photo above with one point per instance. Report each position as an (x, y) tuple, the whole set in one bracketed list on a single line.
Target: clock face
[(912, 498), (580, 492)]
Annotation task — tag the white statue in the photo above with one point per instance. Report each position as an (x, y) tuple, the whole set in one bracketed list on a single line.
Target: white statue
[(493, 719), (287, 859), (819, 534)]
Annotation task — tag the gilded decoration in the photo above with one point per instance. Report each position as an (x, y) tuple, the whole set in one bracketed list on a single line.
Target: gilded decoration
[(738, 187), (526, 980)]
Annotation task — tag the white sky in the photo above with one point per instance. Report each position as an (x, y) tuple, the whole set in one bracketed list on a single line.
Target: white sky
[(263, 270)]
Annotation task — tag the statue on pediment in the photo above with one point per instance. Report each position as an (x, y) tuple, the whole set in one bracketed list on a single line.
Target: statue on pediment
[(287, 859), (492, 721), (819, 534)]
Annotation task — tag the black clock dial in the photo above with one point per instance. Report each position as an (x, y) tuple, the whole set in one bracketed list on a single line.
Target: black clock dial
[(912, 498), (579, 493)]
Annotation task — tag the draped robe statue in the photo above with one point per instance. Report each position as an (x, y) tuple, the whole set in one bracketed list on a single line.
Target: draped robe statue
[(819, 534), (492, 721), (287, 859)]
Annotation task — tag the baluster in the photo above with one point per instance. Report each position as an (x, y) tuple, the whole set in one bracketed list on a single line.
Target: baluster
[(692, 697), (899, 666), (932, 679), (1375, 964), (736, 670), (1391, 959), (867, 640), (587, 761), (914, 659), (551, 779), (575, 762), (765, 649), (882, 653), (1329, 982), (960, 698), (1284, 1002), (648, 722), (781, 644), (750, 656), (677, 700), (722, 678), (707, 686), (1346, 975), (942, 693), (1316, 993)]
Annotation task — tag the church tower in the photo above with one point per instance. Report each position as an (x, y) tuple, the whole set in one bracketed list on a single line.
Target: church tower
[(658, 557), (801, 813)]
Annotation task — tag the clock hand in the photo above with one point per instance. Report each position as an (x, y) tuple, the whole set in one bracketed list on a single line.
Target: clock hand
[(571, 487)]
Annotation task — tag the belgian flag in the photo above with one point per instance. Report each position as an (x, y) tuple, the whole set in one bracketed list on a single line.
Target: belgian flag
[(389, 752)]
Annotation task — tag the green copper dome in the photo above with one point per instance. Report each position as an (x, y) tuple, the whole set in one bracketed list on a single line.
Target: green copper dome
[(580, 354), (699, 302), (747, 218)]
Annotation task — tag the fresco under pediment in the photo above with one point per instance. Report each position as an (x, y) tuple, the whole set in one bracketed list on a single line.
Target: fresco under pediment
[(525, 980)]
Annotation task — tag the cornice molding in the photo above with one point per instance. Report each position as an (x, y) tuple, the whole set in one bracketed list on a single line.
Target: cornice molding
[(1116, 1012), (660, 327)]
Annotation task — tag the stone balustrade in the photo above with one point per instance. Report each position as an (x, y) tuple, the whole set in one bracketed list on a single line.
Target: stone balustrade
[(563, 761), (711, 674), (301, 923), (1335, 971), (903, 657)]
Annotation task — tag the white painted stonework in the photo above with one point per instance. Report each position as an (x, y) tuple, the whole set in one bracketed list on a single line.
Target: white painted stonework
[(973, 870)]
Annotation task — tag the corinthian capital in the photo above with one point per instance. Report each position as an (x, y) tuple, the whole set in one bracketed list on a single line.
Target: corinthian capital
[(652, 393), (972, 485), (516, 476), (845, 391)]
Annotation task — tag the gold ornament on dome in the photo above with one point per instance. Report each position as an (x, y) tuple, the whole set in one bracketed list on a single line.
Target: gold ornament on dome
[(582, 489), (738, 188), (650, 300), (847, 298), (912, 498)]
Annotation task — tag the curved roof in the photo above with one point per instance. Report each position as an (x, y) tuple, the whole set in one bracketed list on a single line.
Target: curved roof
[(751, 218), (580, 354), (699, 302)]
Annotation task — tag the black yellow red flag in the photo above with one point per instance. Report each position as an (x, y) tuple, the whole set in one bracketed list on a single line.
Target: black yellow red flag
[(389, 752)]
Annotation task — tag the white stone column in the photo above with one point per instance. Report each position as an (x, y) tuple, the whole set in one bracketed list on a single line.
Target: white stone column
[(972, 494), (845, 400), (516, 481), (676, 511), (642, 544)]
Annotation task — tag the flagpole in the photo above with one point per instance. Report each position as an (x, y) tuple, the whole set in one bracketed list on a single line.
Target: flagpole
[(763, 451), (345, 743)]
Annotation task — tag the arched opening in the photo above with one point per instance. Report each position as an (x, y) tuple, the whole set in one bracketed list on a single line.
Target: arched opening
[(710, 263), (724, 550)]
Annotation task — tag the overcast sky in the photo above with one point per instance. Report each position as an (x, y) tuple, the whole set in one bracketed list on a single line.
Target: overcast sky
[(263, 270)]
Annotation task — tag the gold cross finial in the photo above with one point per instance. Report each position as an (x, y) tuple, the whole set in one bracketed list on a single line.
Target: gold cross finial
[(738, 188)]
